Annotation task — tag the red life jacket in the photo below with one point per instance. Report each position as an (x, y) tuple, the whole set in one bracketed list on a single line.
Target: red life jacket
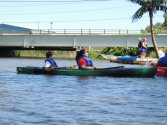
[(88, 62)]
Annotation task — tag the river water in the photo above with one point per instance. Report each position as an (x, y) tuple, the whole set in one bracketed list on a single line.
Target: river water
[(70, 100)]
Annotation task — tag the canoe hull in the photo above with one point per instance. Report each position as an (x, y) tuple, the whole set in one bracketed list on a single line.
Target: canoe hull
[(119, 72), (161, 71), (111, 57), (132, 58)]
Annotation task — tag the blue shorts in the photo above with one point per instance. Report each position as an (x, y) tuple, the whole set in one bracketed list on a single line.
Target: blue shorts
[(143, 50)]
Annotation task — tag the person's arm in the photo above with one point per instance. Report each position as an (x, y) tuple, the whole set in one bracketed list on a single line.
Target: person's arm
[(86, 67), (48, 66)]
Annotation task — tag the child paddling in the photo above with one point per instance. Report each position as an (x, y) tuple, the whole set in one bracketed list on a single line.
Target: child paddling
[(50, 62)]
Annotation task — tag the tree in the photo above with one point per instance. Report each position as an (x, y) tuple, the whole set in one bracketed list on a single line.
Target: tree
[(165, 15), (159, 28), (150, 6)]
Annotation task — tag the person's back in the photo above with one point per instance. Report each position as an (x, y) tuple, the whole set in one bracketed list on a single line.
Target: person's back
[(140, 43), (83, 61), (163, 61)]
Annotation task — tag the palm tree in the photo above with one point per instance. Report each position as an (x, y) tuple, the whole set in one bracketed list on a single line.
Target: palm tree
[(150, 6)]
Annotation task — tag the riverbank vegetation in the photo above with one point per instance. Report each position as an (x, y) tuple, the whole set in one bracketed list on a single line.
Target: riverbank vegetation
[(94, 55), (117, 51), (41, 53), (120, 51), (159, 28)]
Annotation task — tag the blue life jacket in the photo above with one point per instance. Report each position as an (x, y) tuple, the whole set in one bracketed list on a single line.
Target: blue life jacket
[(88, 61), (52, 62), (163, 61)]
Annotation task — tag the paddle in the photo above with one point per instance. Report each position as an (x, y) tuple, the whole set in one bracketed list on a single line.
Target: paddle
[(109, 68), (74, 66), (71, 67), (114, 67), (52, 67)]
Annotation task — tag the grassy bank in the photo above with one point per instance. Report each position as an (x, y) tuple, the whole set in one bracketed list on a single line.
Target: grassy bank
[(42, 53), (94, 55), (122, 51), (152, 52)]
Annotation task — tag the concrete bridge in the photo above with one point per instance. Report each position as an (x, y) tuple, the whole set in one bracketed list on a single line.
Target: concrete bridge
[(70, 40)]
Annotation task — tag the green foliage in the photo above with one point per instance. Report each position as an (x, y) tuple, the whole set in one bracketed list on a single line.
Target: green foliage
[(152, 54), (93, 54), (165, 22), (133, 51), (148, 6), (158, 29), (41, 53), (119, 51)]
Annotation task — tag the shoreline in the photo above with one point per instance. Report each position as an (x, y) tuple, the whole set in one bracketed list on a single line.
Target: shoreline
[(56, 58)]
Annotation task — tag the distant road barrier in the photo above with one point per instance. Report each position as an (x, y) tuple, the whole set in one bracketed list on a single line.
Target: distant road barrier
[(74, 41), (71, 31), (86, 31)]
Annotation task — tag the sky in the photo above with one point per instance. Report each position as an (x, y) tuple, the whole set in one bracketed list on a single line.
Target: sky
[(74, 14)]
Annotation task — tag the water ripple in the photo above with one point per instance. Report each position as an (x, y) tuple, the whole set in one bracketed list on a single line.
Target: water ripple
[(67, 100)]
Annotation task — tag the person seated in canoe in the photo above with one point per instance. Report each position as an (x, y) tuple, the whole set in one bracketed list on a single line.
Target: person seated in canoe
[(50, 62), (83, 61), (162, 61)]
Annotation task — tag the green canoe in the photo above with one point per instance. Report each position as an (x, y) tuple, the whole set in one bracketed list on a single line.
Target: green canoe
[(113, 71)]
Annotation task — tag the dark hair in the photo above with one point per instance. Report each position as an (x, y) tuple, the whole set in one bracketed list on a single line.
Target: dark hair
[(49, 54), (80, 54)]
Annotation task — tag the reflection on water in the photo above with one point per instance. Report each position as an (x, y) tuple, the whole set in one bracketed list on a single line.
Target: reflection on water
[(63, 100)]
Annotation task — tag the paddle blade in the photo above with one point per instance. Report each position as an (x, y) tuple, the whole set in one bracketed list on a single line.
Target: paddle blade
[(73, 67)]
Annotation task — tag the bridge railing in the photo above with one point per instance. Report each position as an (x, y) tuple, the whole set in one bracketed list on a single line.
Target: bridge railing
[(85, 31), (70, 31)]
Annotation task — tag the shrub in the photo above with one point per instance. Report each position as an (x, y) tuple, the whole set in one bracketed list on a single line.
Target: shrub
[(93, 54), (120, 51)]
